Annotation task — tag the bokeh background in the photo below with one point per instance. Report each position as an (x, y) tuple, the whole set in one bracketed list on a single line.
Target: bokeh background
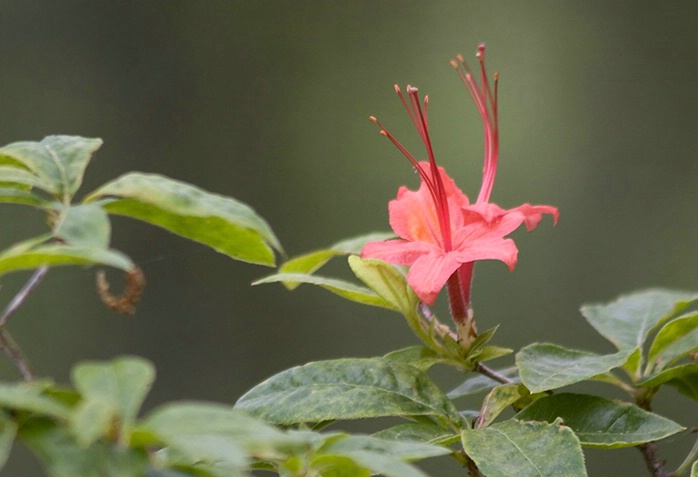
[(268, 101)]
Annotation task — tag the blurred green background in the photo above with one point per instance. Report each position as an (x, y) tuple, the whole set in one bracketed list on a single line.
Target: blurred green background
[(268, 101)]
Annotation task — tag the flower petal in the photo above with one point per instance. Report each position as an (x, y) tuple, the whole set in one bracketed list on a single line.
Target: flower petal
[(488, 211), (489, 248), (430, 272), (534, 214), (450, 187), (531, 215), (477, 227), (397, 252), (413, 214)]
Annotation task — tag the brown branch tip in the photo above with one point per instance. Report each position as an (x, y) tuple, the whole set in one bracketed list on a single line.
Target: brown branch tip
[(125, 302)]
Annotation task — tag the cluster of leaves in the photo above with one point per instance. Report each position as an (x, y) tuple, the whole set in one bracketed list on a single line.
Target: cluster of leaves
[(549, 429), (48, 174), (93, 428)]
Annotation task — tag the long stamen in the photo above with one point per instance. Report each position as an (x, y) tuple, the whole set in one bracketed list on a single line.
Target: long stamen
[(442, 204), (433, 181), (409, 110), (425, 177), (470, 85), (431, 186), (485, 100)]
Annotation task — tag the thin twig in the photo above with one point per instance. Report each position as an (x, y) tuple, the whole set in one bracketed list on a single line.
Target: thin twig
[(7, 344), (492, 374), (473, 469), (655, 464), (12, 351), (22, 295)]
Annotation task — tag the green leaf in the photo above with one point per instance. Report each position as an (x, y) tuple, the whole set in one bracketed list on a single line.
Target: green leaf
[(420, 357), (84, 225), (310, 262), (427, 432), (694, 469), (488, 353), (174, 473), (53, 255), (57, 162), (500, 398), (63, 457), (376, 462), (674, 341), (684, 378), (386, 281), (628, 321), (179, 465), (73, 154), (400, 449), (478, 383), (347, 389), (57, 450), (354, 245), (119, 385), (481, 340), (634, 363), (525, 449), (545, 366), (223, 223), (342, 288), (19, 196), (8, 431), (383, 464), (21, 179), (30, 254), (336, 466), (307, 264), (479, 351), (29, 397), (217, 434), (600, 422), (92, 419)]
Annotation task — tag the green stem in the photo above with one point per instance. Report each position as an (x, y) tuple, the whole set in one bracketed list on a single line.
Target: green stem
[(688, 462)]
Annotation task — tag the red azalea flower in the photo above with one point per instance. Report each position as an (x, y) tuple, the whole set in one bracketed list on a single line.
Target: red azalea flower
[(441, 233), (435, 252)]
